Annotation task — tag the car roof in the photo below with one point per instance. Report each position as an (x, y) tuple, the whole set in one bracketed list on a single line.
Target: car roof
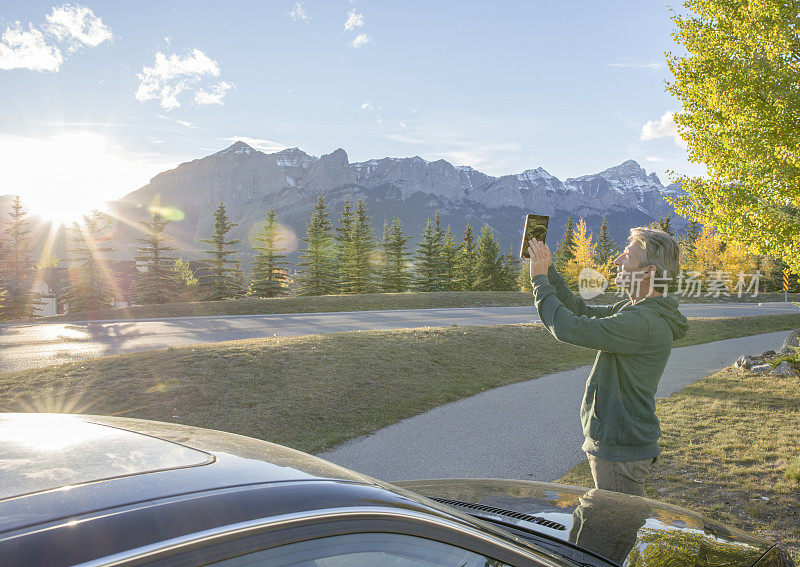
[(58, 465), (237, 477)]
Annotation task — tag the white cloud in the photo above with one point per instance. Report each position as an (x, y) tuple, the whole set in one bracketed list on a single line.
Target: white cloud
[(367, 105), (654, 65), (183, 123), (665, 127), (361, 40), (172, 75), (354, 20), (77, 25), (655, 159), (20, 49), (215, 96), (402, 124), (267, 146), (299, 13)]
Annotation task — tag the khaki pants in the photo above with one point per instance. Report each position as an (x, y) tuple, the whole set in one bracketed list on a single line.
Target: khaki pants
[(620, 476)]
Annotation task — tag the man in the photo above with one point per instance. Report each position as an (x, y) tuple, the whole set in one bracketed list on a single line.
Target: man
[(634, 339)]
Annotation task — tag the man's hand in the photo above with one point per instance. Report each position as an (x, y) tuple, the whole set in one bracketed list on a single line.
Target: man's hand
[(540, 257)]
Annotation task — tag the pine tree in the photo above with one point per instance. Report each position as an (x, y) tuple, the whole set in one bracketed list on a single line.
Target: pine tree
[(466, 262), (395, 276), (218, 282), (448, 261), (90, 280), (317, 273), (489, 266), (268, 278), (438, 235), (512, 266), (690, 236), (344, 247), (157, 283), (565, 249), (362, 246), (607, 252), (16, 268), (427, 259), (239, 279), (664, 224)]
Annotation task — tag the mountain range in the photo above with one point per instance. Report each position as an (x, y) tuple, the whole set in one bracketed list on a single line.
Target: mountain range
[(249, 181)]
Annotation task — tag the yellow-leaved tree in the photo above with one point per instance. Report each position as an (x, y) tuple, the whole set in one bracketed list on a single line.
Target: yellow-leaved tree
[(585, 252), (712, 254), (737, 81)]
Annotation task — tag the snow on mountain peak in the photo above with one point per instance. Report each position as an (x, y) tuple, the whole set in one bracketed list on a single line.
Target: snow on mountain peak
[(237, 148), (294, 157), (538, 174)]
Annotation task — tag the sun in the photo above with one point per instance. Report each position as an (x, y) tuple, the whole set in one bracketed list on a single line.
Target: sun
[(63, 177)]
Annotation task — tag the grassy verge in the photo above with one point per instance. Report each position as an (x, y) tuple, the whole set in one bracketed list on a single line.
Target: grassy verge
[(361, 302), (314, 392), (731, 451)]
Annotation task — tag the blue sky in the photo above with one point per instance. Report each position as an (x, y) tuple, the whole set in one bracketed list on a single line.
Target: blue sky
[(89, 89)]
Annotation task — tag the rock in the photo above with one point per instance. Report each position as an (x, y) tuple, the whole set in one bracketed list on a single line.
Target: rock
[(744, 362), (761, 368), (792, 340), (768, 353), (785, 369)]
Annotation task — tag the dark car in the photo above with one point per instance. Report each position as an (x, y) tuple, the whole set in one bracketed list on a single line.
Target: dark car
[(97, 491)]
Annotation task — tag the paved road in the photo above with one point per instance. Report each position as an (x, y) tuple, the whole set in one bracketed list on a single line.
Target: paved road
[(529, 430), (36, 345)]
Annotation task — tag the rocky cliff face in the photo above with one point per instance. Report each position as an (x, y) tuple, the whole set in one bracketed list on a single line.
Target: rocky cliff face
[(250, 181)]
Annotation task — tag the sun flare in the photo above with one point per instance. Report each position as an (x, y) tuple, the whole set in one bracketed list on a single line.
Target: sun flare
[(64, 177)]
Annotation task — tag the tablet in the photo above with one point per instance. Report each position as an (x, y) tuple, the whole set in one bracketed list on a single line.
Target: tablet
[(535, 228)]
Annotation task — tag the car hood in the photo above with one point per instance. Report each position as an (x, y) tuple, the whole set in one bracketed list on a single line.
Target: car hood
[(624, 529)]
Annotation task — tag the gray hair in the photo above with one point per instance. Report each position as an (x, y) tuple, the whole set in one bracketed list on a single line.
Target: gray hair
[(660, 249)]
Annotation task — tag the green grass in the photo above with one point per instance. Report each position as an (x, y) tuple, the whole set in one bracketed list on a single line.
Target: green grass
[(314, 392), (729, 441), (361, 302)]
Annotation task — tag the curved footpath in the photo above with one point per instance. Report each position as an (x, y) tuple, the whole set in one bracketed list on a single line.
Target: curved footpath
[(529, 430)]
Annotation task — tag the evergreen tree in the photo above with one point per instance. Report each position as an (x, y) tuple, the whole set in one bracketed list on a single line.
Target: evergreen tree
[(448, 261), (218, 282), (157, 283), (239, 278), (664, 224), (16, 268), (606, 247), (90, 281), (466, 262), (489, 267), (361, 270), (512, 266), (395, 276), (607, 252), (317, 273), (565, 249), (427, 259), (344, 247), (689, 240), (268, 274)]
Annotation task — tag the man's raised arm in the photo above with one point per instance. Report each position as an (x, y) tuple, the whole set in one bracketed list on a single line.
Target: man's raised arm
[(572, 301)]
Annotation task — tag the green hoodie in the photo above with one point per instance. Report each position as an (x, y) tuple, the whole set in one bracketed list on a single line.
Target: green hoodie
[(618, 412)]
